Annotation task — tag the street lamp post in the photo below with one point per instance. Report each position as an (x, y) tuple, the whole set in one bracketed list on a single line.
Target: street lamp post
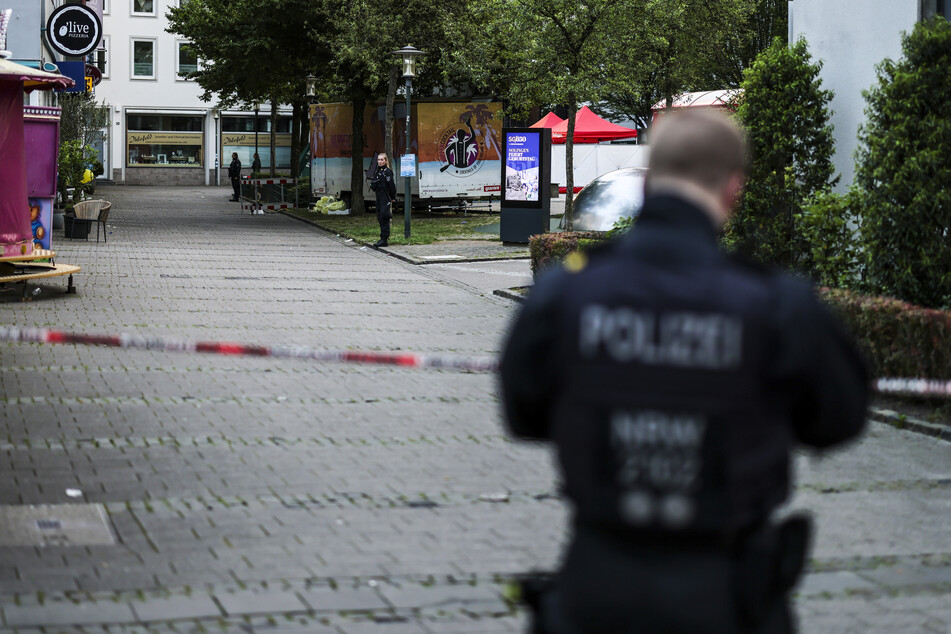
[(408, 55), (215, 113), (257, 107)]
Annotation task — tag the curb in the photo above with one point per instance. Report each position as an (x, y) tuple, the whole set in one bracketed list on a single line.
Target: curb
[(406, 258), (508, 294), (899, 421)]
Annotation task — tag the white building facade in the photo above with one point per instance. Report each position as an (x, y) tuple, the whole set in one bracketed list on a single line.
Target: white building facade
[(160, 131), (851, 37)]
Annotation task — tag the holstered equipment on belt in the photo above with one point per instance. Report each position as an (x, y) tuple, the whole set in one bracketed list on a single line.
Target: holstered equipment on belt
[(769, 563)]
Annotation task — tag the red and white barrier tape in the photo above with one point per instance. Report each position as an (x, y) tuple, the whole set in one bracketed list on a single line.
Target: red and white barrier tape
[(406, 359), (921, 387)]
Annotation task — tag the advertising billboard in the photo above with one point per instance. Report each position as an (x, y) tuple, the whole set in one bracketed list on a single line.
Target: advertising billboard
[(457, 146), (522, 166)]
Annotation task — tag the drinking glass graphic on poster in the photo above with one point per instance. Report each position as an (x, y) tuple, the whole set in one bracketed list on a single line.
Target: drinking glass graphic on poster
[(522, 166)]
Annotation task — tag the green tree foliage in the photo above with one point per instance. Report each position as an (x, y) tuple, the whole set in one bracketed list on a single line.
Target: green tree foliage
[(688, 45), (71, 162), (547, 52), (786, 116), (253, 50), (904, 171)]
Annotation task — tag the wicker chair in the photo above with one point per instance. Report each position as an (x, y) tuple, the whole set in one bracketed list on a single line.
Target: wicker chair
[(101, 220), (89, 211)]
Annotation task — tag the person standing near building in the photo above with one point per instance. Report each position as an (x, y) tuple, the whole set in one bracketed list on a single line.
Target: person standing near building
[(234, 173), (674, 380), (384, 186), (256, 164)]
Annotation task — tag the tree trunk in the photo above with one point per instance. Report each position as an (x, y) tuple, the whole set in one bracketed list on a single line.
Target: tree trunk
[(273, 135), (358, 100), (390, 101), (570, 163)]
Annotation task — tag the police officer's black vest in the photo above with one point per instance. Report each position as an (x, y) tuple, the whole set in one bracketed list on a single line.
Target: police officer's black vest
[(665, 420)]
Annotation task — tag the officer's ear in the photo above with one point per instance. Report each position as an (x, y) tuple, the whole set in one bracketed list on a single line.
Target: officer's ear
[(733, 190)]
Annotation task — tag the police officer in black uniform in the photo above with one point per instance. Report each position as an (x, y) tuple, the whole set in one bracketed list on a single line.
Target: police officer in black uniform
[(674, 380), (234, 173), (383, 185)]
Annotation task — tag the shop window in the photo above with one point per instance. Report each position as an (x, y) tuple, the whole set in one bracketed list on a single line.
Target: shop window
[(143, 7), (143, 59), (238, 136), (186, 61), (164, 141)]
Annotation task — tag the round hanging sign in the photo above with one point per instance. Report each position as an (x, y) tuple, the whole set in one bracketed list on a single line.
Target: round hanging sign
[(74, 30)]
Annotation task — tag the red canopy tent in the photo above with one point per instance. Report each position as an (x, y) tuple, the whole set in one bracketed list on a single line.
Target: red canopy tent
[(16, 236), (590, 128), (550, 120)]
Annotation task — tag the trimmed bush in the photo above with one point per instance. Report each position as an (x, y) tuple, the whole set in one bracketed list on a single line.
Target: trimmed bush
[(786, 116), (898, 339), (903, 170), (551, 248)]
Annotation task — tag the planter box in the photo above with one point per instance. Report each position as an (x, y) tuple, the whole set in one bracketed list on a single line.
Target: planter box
[(77, 227)]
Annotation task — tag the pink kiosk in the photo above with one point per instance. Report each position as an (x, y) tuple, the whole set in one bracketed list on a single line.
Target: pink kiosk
[(28, 189)]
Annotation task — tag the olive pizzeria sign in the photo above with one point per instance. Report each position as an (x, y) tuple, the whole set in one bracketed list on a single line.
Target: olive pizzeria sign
[(74, 30)]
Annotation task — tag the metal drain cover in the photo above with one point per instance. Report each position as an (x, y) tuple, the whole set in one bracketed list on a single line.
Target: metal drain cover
[(55, 525)]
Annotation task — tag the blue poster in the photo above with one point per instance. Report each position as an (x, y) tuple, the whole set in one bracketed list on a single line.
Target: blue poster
[(522, 163)]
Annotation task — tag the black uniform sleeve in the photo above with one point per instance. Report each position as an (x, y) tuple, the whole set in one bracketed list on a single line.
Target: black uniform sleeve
[(391, 185), (528, 367), (824, 373)]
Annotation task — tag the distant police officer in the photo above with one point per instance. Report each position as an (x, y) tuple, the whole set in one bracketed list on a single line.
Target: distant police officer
[(383, 185), (234, 173), (674, 380)]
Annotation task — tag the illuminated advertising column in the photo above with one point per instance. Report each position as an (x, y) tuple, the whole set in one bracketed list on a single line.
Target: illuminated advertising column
[(526, 183)]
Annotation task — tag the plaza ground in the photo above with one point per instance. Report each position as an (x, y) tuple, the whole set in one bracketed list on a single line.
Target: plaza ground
[(185, 493)]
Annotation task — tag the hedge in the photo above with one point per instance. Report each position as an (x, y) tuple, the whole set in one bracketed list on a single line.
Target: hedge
[(897, 339), (551, 248)]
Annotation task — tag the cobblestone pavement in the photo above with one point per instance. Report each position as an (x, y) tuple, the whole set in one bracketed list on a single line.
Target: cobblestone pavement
[(194, 493)]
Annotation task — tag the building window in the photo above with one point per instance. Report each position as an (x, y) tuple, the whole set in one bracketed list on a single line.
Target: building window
[(186, 61), (164, 141), (143, 59), (101, 54), (143, 7), (932, 8)]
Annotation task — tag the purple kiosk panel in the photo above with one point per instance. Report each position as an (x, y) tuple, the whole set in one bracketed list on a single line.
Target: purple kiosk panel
[(41, 133)]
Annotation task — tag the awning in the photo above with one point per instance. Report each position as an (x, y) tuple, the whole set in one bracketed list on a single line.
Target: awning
[(590, 128), (32, 78), (550, 120)]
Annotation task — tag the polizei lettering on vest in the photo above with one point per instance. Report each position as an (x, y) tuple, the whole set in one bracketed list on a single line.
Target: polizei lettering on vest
[(681, 339)]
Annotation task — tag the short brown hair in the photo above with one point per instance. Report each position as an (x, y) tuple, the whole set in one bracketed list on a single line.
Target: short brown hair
[(701, 146)]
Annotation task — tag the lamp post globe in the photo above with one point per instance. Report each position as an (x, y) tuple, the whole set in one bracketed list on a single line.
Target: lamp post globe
[(408, 55)]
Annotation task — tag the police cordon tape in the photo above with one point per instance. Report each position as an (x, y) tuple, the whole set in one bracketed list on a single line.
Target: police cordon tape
[(921, 387), (405, 359)]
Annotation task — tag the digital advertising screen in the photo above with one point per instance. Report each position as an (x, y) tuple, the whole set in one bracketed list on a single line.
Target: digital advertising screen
[(523, 166)]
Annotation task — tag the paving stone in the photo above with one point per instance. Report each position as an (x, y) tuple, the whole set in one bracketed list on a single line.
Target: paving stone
[(343, 599), (259, 602), (67, 613), (911, 574), (833, 582), (176, 607), (478, 597)]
